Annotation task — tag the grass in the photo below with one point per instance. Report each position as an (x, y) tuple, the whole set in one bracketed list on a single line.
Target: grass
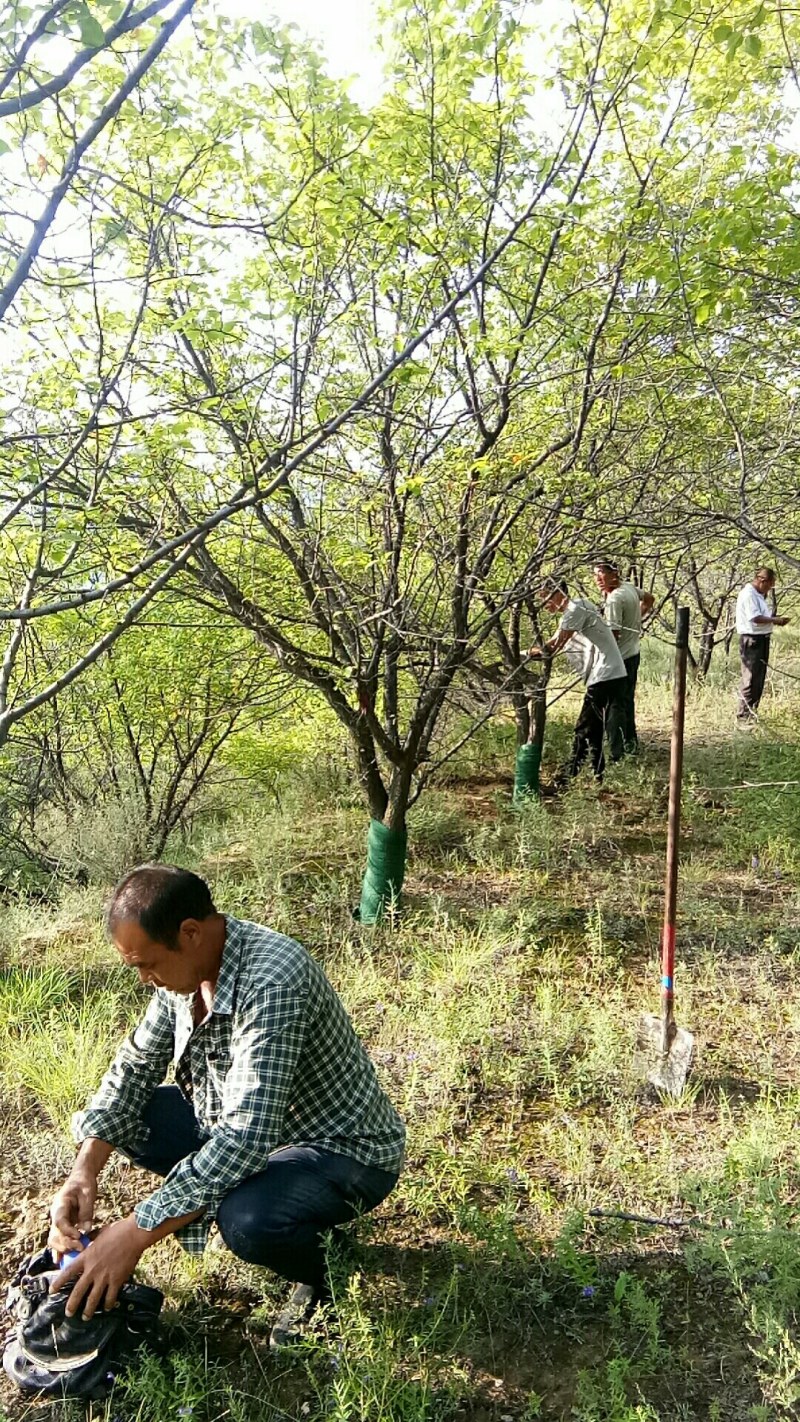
[(501, 1012)]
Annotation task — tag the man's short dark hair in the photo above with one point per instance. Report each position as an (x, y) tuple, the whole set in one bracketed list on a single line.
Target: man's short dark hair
[(159, 897), (605, 565), (765, 573), (548, 586)]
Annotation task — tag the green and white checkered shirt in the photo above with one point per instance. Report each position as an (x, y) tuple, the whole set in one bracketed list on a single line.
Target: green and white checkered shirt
[(277, 1062)]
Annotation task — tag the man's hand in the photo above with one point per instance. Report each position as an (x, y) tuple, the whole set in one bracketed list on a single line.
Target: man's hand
[(780, 621), (103, 1267), (72, 1211), (537, 652)]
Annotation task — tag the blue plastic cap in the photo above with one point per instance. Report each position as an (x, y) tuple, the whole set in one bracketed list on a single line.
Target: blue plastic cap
[(72, 1254)]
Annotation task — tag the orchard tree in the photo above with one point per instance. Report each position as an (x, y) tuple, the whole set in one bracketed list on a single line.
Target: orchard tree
[(380, 565), (354, 378)]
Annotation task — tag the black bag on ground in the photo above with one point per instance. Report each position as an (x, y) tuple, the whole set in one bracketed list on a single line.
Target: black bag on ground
[(73, 1357)]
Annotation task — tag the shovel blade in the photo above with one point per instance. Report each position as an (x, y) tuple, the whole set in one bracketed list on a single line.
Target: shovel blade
[(667, 1072)]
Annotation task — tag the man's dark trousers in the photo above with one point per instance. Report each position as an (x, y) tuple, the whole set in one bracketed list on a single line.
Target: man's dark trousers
[(754, 654), (629, 727), (603, 710), (278, 1217)]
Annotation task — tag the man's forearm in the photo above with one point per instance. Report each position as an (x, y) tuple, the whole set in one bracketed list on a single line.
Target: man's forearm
[(152, 1236), (92, 1156), (557, 641)]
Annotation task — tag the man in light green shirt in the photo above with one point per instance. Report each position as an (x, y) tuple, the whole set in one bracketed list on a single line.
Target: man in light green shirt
[(623, 614)]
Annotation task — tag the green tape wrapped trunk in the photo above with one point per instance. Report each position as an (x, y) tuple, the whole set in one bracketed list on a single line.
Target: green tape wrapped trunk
[(386, 868), (526, 773)]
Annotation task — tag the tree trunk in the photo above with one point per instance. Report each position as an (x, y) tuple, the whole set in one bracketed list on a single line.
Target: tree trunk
[(399, 795), (530, 721), (387, 844), (539, 715), (369, 771), (706, 647)]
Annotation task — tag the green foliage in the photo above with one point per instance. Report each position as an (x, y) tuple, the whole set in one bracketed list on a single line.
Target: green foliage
[(56, 1039)]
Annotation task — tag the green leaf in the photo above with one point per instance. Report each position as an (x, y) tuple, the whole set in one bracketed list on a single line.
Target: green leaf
[(261, 38), (92, 32), (752, 45), (722, 33), (4, 147)]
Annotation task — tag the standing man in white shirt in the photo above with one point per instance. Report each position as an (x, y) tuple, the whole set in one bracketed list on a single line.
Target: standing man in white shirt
[(592, 651), (623, 614), (754, 623)]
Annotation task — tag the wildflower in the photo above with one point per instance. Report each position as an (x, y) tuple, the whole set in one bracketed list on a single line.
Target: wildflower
[(587, 1292)]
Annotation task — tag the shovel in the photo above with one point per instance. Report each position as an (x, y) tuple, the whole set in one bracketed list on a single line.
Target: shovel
[(667, 1048)]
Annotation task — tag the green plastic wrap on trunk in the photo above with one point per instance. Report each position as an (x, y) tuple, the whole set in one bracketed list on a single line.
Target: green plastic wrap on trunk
[(526, 773), (386, 867)]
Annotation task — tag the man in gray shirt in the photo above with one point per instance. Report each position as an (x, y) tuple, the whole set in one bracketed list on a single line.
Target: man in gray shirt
[(592, 651), (623, 614)]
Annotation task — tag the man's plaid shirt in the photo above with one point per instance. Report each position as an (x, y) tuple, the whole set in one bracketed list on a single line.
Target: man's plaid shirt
[(276, 1063)]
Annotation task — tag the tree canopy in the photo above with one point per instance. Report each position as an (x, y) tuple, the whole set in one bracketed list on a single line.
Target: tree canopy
[(352, 376)]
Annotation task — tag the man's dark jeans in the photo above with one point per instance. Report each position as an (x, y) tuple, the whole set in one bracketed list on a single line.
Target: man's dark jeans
[(754, 654), (603, 710), (275, 1218), (629, 725)]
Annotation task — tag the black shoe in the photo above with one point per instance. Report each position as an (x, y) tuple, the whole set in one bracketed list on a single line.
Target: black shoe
[(295, 1316)]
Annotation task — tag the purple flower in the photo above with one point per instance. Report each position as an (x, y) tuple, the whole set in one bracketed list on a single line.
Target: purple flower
[(754, 862), (587, 1292), (513, 1176), (430, 1301)]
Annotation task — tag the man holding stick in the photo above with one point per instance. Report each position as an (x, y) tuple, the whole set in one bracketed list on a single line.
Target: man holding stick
[(592, 651)]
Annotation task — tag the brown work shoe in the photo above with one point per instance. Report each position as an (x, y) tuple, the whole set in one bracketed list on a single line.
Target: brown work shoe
[(293, 1319)]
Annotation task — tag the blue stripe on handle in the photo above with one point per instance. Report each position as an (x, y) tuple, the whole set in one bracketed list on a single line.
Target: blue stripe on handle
[(666, 982)]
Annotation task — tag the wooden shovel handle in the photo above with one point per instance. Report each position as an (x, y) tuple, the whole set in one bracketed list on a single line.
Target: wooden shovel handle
[(673, 827)]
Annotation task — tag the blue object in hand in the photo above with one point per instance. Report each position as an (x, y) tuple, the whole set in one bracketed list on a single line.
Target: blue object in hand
[(72, 1254)]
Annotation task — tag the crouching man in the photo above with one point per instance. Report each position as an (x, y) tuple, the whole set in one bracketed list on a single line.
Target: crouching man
[(276, 1128)]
